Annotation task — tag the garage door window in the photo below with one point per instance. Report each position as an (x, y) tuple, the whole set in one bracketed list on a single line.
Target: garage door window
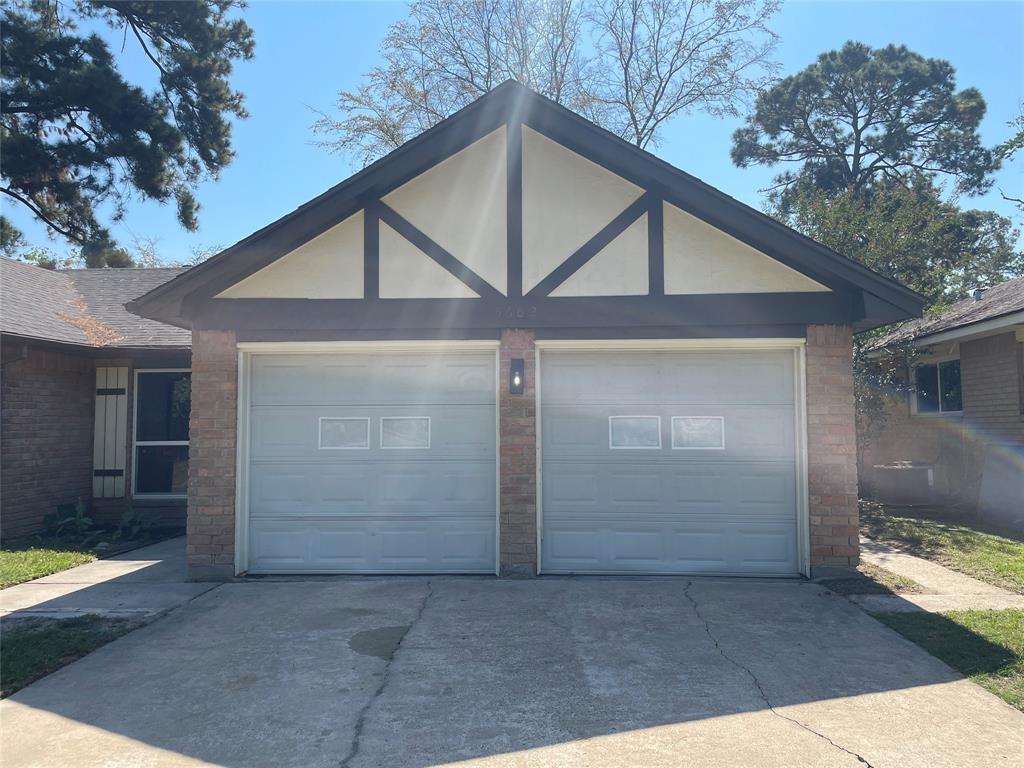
[(695, 433), (162, 403), (634, 432), (344, 434), (405, 432)]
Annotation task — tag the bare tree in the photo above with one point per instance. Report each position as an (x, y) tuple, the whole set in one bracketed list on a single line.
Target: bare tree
[(659, 58), (629, 65)]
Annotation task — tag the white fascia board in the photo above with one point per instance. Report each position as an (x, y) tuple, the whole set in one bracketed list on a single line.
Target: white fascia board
[(985, 327)]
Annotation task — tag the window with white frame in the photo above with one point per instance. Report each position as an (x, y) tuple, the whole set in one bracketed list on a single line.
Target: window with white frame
[(405, 432), (692, 433), (634, 432), (937, 387), (344, 433), (163, 399)]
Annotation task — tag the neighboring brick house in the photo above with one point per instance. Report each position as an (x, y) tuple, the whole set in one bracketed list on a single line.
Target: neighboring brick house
[(961, 428), (74, 367), (519, 344)]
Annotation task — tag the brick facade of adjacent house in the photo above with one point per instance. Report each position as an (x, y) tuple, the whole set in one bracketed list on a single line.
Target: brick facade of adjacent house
[(48, 418), (213, 427), (962, 448), (46, 422), (831, 447)]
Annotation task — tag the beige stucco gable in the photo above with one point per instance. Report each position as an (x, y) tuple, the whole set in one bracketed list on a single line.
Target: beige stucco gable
[(460, 204), (330, 266), (700, 258), (567, 199)]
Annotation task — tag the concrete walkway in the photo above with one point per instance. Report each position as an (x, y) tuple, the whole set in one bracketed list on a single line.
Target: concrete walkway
[(140, 583), (948, 590)]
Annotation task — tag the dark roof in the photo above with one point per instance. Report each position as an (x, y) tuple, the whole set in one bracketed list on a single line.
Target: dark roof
[(885, 300), (1002, 299), (84, 306)]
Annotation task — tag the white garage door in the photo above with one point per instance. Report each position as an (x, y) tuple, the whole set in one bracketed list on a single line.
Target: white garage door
[(372, 463), (669, 462)]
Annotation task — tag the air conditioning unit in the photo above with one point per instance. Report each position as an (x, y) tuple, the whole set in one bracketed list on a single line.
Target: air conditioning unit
[(904, 483)]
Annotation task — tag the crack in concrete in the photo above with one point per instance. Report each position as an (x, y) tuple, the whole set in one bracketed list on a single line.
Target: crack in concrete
[(357, 733), (757, 682)]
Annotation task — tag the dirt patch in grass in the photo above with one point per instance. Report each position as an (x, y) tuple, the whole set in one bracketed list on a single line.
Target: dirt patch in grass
[(33, 557), (952, 540), (986, 646), (33, 648), (872, 580)]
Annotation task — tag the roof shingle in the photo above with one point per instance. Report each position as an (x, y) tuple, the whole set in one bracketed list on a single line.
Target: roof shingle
[(1001, 299), (84, 306)]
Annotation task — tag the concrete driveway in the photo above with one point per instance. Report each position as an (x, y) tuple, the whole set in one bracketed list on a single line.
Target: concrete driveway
[(551, 672)]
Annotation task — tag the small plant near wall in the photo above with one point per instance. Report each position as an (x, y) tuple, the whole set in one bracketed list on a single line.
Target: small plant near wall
[(71, 520), (133, 524)]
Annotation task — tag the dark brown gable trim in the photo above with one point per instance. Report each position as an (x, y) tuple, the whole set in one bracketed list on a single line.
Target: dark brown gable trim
[(514, 213), (656, 247), (371, 251), (303, 315)]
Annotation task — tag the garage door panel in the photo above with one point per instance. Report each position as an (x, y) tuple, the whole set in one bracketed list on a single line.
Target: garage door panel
[(372, 463), (668, 547), (683, 507), (295, 432), (670, 377), (378, 378), (366, 546), (767, 549), (449, 487), (748, 431)]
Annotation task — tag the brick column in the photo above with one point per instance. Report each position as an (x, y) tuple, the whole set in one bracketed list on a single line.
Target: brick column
[(210, 547), (831, 448), (518, 445)]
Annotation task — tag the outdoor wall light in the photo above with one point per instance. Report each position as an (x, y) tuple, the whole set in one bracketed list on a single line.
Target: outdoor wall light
[(517, 376)]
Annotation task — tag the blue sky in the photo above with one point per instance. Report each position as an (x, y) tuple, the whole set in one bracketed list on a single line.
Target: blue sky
[(307, 51)]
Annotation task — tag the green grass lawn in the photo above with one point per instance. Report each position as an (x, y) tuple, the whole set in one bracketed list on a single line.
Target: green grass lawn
[(36, 556), (954, 542), (986, 646), (33, 648), (24, 564)]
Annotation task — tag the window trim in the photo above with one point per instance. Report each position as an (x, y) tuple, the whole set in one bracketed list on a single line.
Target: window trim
[(719, 419), (430, 429), (320, 434), (937, 362), (136, 442), (613, 447)]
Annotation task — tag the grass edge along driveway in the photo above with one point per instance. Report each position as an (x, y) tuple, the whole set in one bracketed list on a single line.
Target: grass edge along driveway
[(985, 646), (33, 648), (950, 541)]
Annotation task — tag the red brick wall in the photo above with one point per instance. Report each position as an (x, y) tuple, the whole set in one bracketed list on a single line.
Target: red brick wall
[(956, 443), (46, 423), (518, 428), (211, 471), (831, 446)]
